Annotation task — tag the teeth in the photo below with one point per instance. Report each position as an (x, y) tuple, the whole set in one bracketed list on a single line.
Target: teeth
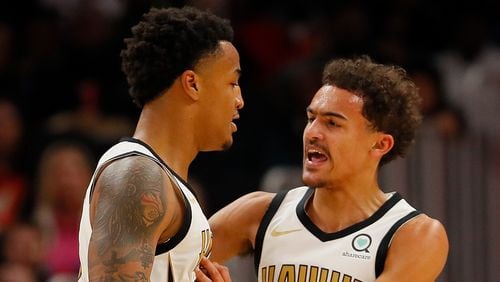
[(310, 153), (315, 154)]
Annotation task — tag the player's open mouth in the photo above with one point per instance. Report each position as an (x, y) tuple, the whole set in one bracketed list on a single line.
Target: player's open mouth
[(316, 156), (233, 122)]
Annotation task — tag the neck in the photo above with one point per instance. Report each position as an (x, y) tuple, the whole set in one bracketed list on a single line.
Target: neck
[(166, 128), (334, 209)]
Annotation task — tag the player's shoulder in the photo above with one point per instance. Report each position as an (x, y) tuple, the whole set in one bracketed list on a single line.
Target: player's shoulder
[(132, 168), (422, 232), (247, 210), (419, 248), (261, 200), (138, 173), (422, 225), (258, 197), (256, 202)]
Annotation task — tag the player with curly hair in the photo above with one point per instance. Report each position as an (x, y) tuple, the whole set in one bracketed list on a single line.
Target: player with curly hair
[(141, 220), (341, 226)]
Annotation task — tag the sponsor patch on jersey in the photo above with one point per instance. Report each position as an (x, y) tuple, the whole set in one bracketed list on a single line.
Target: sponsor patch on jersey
[(362, 242)]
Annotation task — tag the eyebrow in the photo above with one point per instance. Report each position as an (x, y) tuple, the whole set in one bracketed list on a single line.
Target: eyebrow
[(334, 114)]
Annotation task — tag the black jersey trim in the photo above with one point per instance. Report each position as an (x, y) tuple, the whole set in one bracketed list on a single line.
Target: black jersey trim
[(384, 244), (264, 223), (170, 270), (183, 230), (150, 149), (323, 236)]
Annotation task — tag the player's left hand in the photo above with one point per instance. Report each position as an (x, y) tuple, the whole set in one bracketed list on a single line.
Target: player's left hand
[(212, 272)]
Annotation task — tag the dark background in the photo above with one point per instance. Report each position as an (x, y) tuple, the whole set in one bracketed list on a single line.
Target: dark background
[(49, 52)]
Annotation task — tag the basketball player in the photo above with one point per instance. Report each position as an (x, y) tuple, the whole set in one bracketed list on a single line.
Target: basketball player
[(341, 226), (140, 221)]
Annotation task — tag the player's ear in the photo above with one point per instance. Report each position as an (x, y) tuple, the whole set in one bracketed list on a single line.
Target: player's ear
[(383, 144), (190, 80)]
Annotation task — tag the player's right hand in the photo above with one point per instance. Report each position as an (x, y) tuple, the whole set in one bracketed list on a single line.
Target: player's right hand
[(212, 272)]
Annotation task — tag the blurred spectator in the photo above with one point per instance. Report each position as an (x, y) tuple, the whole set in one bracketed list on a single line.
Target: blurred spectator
[(471, 72), (12, 182), (87, 120), (64, 171), (22, 254), (421, 175), (437, 112), (15, 272)]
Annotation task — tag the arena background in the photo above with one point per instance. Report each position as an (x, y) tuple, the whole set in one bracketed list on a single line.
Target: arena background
[(60, 80)]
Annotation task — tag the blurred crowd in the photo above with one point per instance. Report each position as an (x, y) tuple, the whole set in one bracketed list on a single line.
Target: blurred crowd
[(63, 101)]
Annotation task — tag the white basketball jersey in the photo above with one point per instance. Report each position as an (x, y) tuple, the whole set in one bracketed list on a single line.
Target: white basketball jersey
[(176, 259), (289, 247)]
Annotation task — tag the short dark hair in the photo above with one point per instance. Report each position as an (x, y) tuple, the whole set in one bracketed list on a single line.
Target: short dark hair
[(165, 43), (390, 98)]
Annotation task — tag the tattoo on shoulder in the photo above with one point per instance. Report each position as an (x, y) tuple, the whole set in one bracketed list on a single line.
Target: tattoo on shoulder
[(132, 203)]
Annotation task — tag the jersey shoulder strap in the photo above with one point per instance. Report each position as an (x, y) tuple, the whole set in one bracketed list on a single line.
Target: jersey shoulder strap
[(384, 244), (259, 238)]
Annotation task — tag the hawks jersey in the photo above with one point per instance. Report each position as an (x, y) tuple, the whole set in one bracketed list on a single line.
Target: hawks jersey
[(289, 247), (176, 259)]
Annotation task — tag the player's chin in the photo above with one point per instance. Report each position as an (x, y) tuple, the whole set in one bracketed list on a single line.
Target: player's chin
[(226, 143), (220, 146), (221, 141), (311, 179)]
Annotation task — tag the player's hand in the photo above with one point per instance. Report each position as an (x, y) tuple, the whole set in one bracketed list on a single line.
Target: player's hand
[(212, 271)]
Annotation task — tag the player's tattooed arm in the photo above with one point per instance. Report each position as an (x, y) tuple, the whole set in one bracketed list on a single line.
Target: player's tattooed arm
[(129, 210)]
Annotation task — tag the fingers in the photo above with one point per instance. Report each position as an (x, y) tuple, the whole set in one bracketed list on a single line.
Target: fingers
[(212, 272), (223, 271), (201, 277), (210, 269)]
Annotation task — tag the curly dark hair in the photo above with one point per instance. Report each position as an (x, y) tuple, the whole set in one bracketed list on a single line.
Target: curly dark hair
[(390, 98), (165, 43)]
